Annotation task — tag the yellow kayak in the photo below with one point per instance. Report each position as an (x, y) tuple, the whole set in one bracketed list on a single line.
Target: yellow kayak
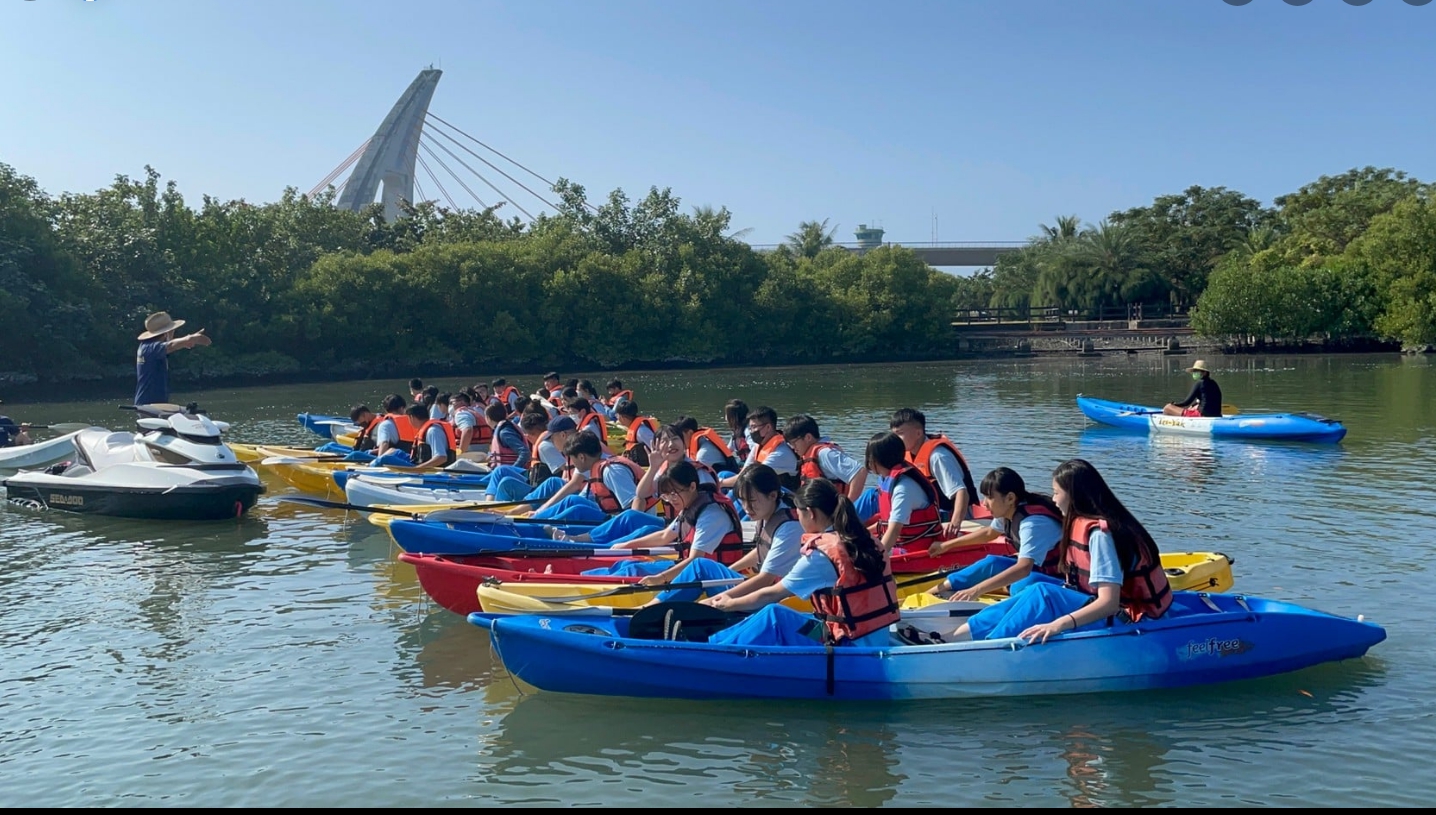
[(530, 598), (1186, 571)]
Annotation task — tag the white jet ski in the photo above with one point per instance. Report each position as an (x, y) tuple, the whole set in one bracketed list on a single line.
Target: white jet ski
[(176, 469)]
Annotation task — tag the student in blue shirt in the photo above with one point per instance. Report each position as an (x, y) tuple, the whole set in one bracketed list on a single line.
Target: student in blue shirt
[(152, 364), (841, 569), (1030, 520)]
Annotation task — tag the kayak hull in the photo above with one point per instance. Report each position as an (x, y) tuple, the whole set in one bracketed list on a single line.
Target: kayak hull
[(39, 454), (391, 491), (1246, 638), (1254, 427), (452, 581)]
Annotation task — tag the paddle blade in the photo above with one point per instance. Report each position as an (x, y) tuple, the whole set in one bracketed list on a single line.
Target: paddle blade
[(685, 622)]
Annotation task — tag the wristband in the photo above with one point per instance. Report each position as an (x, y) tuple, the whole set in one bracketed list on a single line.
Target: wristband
[(1074, 621)]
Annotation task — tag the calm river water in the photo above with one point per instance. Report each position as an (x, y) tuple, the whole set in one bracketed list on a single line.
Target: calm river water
[(289, 659)]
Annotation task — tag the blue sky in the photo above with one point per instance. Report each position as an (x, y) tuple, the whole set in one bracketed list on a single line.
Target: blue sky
[(996, 115)]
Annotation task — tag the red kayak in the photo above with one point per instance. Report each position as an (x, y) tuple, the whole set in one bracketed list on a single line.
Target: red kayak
[(453, 581)]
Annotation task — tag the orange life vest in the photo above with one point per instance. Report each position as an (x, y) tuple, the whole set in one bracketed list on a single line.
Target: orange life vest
[(482, 434), (401, 423), (630, 439), (809, 467), (855, 606), (599, 492), (422, 451), (613, 400), (922, 460), (502, 397), (1145, 590), (730, 546), (709, 434), (924, 526), (765, 451), (594, 423)]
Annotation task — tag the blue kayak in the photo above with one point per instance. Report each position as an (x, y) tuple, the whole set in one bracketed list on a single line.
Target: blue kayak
[(1256, 426), (1193, 644), (428, 538), (315, 423)]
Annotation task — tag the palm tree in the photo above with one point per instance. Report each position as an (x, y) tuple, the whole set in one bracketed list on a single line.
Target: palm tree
[(811, 238), (1113, 257), (1066, 228)]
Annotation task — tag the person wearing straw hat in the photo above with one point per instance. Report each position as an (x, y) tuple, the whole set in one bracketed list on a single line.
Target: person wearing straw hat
[(152, 366), (1205, 398)]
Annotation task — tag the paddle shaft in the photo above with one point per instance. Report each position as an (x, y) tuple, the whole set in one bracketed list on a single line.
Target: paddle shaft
[(323, 504)]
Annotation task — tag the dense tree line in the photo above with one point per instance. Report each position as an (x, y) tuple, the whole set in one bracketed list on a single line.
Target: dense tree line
[(1346, 259), (300, 287)]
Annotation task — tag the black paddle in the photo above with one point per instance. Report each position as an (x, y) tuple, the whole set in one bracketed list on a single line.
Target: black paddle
[(686, 622)]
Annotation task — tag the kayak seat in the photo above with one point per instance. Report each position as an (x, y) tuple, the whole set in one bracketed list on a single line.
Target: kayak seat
[(908, 634)]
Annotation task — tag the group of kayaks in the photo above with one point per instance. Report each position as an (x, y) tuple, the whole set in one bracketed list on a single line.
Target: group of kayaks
[(560, 627)]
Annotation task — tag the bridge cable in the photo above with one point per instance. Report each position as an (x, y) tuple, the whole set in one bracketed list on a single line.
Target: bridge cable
[(354, 156), (436, 181), (480, 176), (497, 169), (454, 175), (490, 149)]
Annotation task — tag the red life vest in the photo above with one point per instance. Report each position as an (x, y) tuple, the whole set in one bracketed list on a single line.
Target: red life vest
[(630, 439), (809, 467), (924, 526), (730, 546), (498, 453), (855, 606), (599, 492), (666, 509), (922, 460), (613, 400), (1051, 565), (422, 450), (1145, 590), (738, 442)]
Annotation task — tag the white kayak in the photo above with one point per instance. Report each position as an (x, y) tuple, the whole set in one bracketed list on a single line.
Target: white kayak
[(40, 454), (367, 490)]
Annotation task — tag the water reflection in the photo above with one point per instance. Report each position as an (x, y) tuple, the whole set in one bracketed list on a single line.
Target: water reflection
[(814, 755)]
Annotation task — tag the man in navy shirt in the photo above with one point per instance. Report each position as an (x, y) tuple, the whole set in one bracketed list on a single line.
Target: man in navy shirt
[(152, 365)]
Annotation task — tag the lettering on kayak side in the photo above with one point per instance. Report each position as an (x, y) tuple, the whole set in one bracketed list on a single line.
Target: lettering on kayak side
[(1170, 422), (59, 500), (1213, 647)]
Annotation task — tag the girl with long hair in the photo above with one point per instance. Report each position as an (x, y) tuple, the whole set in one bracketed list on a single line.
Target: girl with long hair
[(1109, 564), (843, 573), (735, 414), (1030, 520)]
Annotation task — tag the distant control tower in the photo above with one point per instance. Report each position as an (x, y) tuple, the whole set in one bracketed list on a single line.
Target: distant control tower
[(868, 237)]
